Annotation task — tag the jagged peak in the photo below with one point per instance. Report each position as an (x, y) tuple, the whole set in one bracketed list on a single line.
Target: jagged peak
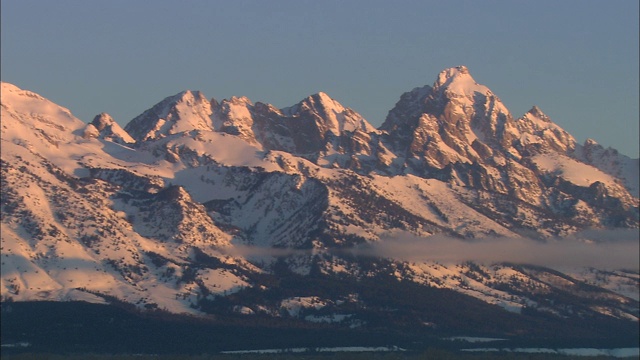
[(537, 112), (322, 100), (535, 119), (239, 100), (458, 81), (536, 127), (310, 102), (189, 97), (591, 143), (185, 111), (268, 107), (322, 97), (167, 103), (105, 127), (451, 73), (190, 94), (102, 120), (336, 116)]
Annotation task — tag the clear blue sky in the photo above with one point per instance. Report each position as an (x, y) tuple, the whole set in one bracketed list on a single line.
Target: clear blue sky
[(576, 59)]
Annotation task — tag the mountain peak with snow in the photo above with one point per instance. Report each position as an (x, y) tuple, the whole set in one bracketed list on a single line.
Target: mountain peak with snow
[(329, 115), (455, 121), (53, 124), (450, 73), (102, 120), (185, 111), (538, 133), (105, 127), (321, 99), (240, 100), (457, 81), (591, 142), (537, 112), (8, 88)]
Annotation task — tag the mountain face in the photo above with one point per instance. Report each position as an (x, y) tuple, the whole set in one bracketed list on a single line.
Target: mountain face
[(203, 206)]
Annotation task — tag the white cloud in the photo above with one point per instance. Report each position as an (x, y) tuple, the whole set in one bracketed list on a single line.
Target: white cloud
[(597, 248)]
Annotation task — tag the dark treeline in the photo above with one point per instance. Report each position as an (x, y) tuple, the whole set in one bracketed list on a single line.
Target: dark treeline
[(396, 313), (78, 327), (429, 354)]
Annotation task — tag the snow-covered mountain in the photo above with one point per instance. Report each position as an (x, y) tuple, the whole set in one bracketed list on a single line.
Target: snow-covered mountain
[(197, 199)]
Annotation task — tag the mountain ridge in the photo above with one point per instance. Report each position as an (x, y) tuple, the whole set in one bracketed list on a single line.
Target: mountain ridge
[(215, 197)]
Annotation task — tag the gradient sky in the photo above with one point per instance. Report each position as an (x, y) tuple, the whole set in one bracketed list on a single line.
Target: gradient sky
[(576, 59)]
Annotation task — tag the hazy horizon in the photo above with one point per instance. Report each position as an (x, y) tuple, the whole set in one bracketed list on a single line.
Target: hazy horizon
[(576, 60)]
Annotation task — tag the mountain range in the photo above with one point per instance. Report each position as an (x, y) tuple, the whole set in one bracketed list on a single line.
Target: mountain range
[(207, 207)]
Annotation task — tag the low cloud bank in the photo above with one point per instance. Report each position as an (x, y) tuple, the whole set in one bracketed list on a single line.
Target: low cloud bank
[(612, 249), (603, 249), (256, 252)]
